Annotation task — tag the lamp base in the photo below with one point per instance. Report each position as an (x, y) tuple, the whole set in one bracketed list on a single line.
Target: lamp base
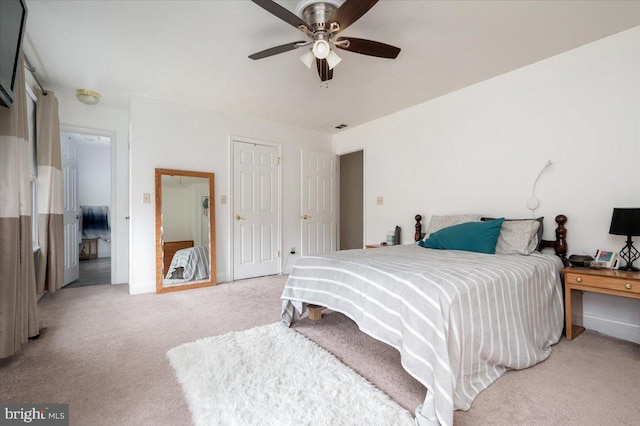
[(629, 268), (630, 254)]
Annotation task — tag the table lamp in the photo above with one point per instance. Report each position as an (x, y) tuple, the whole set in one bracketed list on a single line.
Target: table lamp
[(626, 221)]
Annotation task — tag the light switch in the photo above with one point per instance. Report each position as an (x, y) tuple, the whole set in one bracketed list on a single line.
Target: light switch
[(146, 198), (380, 200), (223, 199)]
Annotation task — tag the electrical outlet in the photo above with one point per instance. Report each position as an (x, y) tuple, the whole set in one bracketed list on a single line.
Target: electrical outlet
[(146, 198), (380, 200), (293, 250)]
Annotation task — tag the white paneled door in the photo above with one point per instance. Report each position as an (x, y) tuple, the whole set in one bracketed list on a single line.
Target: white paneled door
[(319, 202), (256, 210), (71, 208)]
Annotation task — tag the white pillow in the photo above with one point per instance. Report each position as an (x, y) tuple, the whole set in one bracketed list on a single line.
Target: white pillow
[(439, 222), (518, 237)]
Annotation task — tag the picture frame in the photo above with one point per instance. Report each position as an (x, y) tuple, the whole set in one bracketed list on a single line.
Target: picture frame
[(605, 259)]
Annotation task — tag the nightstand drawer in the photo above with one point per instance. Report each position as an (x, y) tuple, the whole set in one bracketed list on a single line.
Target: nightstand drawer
[(611, 283)]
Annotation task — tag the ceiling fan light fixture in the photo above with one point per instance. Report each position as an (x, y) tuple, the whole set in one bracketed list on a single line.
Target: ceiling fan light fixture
[(321, 21), (333, 59), (88, 97), (308, 58), (321, 49)]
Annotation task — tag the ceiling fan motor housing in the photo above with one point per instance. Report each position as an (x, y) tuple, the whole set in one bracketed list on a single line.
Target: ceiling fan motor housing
[(316, 14)]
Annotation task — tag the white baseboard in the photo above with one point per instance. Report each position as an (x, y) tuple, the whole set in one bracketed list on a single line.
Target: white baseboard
[(142, 289), (224, 278), (621, 330)]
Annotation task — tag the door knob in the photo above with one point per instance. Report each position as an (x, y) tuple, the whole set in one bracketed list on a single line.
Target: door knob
[(305, 217), (238, 217)]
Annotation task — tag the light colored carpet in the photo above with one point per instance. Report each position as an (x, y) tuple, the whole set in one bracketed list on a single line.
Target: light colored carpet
[(273, 375), (104, 354), (593, 380)]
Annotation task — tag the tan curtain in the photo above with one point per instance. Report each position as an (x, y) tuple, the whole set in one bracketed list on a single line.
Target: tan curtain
[(50, 273), (18, 308)]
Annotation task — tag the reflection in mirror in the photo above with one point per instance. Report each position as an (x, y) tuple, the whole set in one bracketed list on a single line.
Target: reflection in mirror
[(185, 233)]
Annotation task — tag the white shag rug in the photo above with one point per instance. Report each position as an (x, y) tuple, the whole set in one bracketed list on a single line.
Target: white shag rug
[(273, 375)]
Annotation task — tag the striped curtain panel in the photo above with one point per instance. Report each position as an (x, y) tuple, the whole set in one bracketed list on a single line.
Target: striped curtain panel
[(50, 273), (18, 309)]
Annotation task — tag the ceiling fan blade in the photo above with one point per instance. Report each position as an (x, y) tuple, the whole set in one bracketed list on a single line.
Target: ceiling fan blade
[(323, 70), (350, 12), (369, 47), (278, 49), (282, 13)]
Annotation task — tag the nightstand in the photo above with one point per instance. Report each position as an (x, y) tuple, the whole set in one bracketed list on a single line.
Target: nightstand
[(605, 281)]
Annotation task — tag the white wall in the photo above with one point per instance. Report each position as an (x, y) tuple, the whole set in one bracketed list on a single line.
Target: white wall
[(479, 150), (169, 135), (179, 214), (112, 122), (94, 182), (201, 221)]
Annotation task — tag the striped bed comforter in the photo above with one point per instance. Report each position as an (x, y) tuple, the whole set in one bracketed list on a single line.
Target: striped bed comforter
[(459, 319), (193, 262)]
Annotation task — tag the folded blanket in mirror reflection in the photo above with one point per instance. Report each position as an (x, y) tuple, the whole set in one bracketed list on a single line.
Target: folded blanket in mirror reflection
[(190, 264), (95, 222)]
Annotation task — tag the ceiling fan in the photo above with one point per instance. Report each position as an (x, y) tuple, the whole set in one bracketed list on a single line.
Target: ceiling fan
[(322, 21)]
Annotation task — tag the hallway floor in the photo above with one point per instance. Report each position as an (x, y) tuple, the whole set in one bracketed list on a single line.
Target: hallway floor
[(93, 272)]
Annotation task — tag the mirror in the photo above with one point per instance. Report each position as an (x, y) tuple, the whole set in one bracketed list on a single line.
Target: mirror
[(185, 230)]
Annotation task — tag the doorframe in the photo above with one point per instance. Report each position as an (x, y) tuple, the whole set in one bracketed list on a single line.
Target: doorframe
[(113, 182), (350, 150), (230, 200)]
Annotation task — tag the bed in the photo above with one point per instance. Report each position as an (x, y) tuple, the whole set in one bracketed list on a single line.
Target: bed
[(169, 249), (459, 319), (188, 264)]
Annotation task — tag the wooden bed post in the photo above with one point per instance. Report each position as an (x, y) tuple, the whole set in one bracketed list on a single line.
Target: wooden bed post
[(559, 245), (561, 238), (418, 235), (315, 312)]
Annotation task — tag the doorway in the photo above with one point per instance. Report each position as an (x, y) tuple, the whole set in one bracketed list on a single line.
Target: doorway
[(351, 200), (87, 205)]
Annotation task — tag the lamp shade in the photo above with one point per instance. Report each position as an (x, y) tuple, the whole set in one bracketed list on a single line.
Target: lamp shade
[(308, 58), (333, 59), (625, 221)]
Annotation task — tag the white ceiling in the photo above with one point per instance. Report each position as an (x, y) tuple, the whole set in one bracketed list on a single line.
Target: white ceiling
[(195, 52)]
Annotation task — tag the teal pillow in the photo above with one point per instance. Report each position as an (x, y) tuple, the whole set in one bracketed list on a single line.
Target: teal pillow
[(480, 237)]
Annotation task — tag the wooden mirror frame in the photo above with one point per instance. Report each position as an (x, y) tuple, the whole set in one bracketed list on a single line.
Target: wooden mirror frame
[(160, 288)]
